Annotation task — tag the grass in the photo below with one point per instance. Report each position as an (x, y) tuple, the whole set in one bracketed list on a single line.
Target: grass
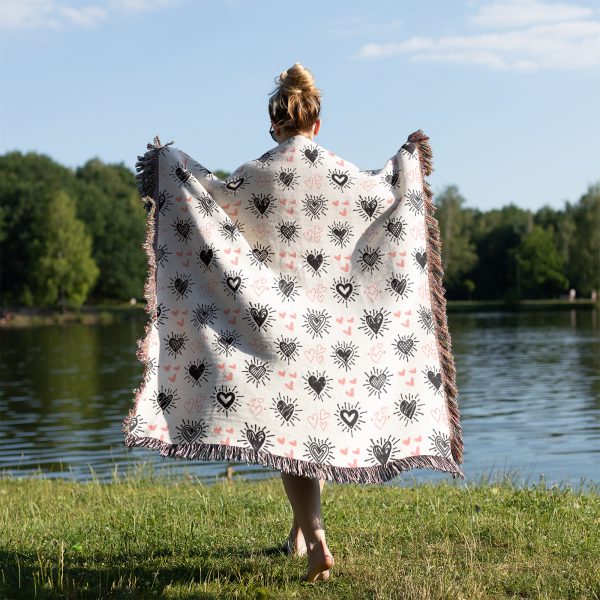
[(148, 536)]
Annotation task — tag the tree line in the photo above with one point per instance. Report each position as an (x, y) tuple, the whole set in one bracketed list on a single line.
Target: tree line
[(74, 236)]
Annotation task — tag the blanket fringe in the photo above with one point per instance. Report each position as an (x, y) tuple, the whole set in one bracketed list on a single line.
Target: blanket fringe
[(147, 185), (294, 466), (437, 290)]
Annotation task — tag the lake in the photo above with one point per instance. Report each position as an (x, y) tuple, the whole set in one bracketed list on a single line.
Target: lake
[(529, 397)]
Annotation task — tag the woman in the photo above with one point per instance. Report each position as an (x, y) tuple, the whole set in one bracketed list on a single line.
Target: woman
[(298, 316), (294, 109)]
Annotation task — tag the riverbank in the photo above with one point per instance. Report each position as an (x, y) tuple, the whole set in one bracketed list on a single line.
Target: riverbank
[(114, 313), (147, 537)]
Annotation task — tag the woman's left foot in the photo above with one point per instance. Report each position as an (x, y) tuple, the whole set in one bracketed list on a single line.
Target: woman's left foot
[(295, 544)]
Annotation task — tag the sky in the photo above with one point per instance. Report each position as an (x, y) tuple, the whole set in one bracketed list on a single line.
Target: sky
[(508, 91)]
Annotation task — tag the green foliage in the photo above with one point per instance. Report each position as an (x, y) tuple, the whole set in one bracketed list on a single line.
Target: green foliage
[(540, 266), (114, 214), (458, 252), (64, 268), (509, 253)]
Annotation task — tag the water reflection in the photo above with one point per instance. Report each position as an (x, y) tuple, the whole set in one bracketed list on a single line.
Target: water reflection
[(529, 396)]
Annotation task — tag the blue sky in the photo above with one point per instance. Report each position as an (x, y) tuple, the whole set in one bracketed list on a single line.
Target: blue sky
[(507, 90)]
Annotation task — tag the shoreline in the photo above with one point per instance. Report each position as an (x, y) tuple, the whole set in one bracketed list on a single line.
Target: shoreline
[(105, 314)]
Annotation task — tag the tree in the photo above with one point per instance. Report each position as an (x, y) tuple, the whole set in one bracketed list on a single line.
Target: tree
[(458, 251), (65, 270), (110, 206), (540, 265), (584, 251)]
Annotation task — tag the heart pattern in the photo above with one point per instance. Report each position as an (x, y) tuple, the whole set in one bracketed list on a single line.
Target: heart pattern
[(293, 316)]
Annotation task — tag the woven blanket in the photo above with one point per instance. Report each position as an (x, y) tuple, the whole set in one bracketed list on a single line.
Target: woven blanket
[(297, 317)]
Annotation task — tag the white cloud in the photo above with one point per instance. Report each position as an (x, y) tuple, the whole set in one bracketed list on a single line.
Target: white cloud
[(552, 38), (519, 13), (56, 14)]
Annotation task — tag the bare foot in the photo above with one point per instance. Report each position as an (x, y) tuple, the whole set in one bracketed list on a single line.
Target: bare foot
[(295, 542), (320, 560)]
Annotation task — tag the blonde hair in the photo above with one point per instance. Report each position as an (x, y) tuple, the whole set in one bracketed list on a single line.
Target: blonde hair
[(295, 104)]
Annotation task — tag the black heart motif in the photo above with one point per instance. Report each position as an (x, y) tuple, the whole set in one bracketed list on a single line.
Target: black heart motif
[(421, 258), (369, 207), (344, 290), (339, 233), (160, 254), (417, 201), (382, 453), (345, 353), (288, 348), (408, 408), (257, 371), (318, 451), (286, 287), (162, 199), (256, 439), (259, 316), (233, 283), (339, 178), (164, 400), (392, 179), (315, 205), (159, 311), (311, 154), (405, 346), (176, 343), (260, 254), (180, 285), (427, 319), (133, 423), (318, 385), (182, 174), (315, 261), (196, 371), (206, 256), (316, 322), (410, 147), (378, 381), (285, 410), (349, 416), (226, 398), (235, 184), (230, 227), (286, 178), (288, 231), (207, 203), (190, 433), (435, 378), (395, 228), (262, 204), (370, 258), (442, 444), (374, 322), (226, 341), (204, 316), (398, 285)]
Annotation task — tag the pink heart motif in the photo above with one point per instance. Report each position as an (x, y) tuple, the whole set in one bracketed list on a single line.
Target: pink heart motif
[(314, 234), (256, 405)]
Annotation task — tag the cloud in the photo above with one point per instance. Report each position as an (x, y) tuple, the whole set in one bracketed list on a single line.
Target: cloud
[(552, 36), (519, 13), (56, 14)]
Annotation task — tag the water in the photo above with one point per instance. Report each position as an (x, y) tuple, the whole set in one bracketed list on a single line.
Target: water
[(529, 396)]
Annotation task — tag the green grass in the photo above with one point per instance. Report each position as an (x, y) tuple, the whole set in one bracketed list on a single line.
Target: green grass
[(146, 536)]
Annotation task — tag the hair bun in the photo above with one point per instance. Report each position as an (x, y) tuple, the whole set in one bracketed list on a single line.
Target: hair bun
[(295, 103)]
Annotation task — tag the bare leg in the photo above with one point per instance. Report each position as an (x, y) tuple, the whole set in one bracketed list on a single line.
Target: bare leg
[(304, 494), (296, 537)]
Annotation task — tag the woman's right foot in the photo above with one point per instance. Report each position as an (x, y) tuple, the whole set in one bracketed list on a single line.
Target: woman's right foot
[(320, 560)]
